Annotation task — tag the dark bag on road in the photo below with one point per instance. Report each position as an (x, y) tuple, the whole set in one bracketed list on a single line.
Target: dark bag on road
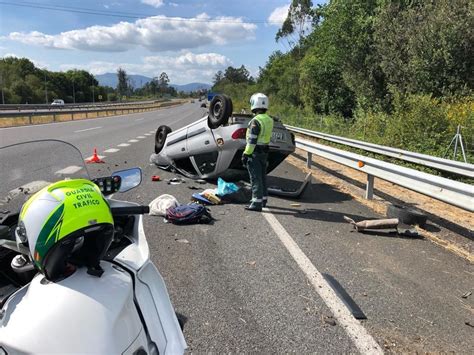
[(188, 214)]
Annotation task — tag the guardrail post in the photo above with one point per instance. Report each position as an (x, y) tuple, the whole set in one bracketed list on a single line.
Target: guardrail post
[(309, 160), (369, 191)]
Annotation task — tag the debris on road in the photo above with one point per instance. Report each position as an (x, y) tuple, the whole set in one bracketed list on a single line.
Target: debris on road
[(193, 187), (225, 188), (306, 234), (176, 181), (198, 198), (295, 204), (251, 263), (184, 241), (155, 178), (200, 181), (467, 294), (188, 214), (328, 320), (373, 224), (160, 205), (277, 191), (471, 324)]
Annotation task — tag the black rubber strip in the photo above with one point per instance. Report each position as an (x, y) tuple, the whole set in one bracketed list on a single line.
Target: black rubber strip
[(344, 296), (196, 132), (176, 140)]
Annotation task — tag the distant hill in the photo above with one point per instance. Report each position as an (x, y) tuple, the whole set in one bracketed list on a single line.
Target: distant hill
[(192, 87), (110, 79)]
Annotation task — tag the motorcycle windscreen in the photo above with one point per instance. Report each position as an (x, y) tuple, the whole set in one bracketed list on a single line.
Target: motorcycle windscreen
[(28, 167)]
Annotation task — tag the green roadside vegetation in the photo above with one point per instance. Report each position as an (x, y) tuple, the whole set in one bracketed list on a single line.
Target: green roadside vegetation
[(396, 73), (21, 82)]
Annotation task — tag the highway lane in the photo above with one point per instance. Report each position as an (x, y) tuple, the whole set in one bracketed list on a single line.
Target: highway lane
[(241, 290)]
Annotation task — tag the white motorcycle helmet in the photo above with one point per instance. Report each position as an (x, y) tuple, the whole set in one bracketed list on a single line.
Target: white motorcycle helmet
[(258, 101)]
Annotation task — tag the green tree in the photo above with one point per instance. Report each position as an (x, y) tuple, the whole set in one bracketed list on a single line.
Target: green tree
[(298, 22), (163, 82), (122, 85), (427, 46)]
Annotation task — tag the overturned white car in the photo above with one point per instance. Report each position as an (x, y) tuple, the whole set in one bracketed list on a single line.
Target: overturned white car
[(212, 146)]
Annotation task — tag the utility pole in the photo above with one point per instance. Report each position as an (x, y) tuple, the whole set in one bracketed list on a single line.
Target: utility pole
[(93, 96), (45, 88), (1, 82)]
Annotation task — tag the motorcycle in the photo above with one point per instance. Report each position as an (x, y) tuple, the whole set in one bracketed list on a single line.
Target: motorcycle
[(123, 309)]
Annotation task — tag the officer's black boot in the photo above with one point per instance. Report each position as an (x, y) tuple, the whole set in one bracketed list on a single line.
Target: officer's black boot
[(254, 206)]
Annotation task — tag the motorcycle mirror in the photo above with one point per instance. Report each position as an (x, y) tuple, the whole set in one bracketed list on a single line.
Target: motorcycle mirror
[(130, 178)]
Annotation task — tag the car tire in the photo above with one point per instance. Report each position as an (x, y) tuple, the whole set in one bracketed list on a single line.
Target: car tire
[(220, 110), (406, 215), (160, 137)]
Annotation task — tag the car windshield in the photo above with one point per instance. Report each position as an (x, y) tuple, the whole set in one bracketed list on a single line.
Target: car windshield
[(28, 167)]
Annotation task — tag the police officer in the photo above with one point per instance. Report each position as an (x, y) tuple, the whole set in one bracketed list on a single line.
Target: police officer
[(255, 155)]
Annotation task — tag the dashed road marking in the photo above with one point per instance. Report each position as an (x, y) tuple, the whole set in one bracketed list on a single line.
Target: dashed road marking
[(141, 137), (133, 141), (139, 119), (111, 150), (123, 145), (147, 134), (152, 131), (69, 170), (87, 129), (354, 329)]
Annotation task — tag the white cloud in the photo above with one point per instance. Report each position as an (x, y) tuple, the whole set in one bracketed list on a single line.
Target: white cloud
[(278, 16), (184, 68), (173, 4), (157, 33), (154, 3)]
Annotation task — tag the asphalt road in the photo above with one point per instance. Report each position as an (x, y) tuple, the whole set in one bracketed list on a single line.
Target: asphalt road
[(241, 284)]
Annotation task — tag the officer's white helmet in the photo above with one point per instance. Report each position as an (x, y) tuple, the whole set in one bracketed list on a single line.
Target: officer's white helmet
[(258, 101)]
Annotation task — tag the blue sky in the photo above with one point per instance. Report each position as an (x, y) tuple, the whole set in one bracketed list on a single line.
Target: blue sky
[(190, 40)]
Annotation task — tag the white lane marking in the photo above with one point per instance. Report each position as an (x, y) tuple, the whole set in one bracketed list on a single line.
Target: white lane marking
[(152, 131), (133, 141), (69, 170), (87, 129), (147, 134), (123, 145), (141, 137), (139, 119), (111, 150), (359, 335)]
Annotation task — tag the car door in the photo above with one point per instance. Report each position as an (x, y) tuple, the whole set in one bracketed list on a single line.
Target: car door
[(202, 148)]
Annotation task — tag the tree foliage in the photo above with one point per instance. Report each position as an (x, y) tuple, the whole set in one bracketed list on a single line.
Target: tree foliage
[(23, 83), (122, 84), (383, 70)]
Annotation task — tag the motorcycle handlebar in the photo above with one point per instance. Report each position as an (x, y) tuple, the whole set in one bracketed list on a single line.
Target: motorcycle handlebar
[(123, 211)]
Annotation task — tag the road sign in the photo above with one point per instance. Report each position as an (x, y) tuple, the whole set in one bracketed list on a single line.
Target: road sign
[(100, 97)]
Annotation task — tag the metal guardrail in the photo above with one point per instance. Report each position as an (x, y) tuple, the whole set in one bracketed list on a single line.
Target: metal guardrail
[(84, 105), (453, 192), (69, 110), (451, 166)]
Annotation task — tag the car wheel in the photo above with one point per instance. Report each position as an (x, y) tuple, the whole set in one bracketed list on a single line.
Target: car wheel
[(160, 137), (220, 110), (406, 215)]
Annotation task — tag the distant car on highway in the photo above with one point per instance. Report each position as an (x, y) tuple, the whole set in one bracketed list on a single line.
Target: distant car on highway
[(212, 146), (57, 102)]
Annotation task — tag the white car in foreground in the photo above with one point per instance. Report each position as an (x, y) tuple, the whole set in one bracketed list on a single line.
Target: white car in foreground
[(212, 147)]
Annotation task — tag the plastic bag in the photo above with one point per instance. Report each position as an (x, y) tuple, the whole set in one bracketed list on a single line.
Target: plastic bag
[(160, 204), (226, 188)]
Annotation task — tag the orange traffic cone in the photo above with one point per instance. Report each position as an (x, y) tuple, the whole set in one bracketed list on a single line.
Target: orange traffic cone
[(95, 158)]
